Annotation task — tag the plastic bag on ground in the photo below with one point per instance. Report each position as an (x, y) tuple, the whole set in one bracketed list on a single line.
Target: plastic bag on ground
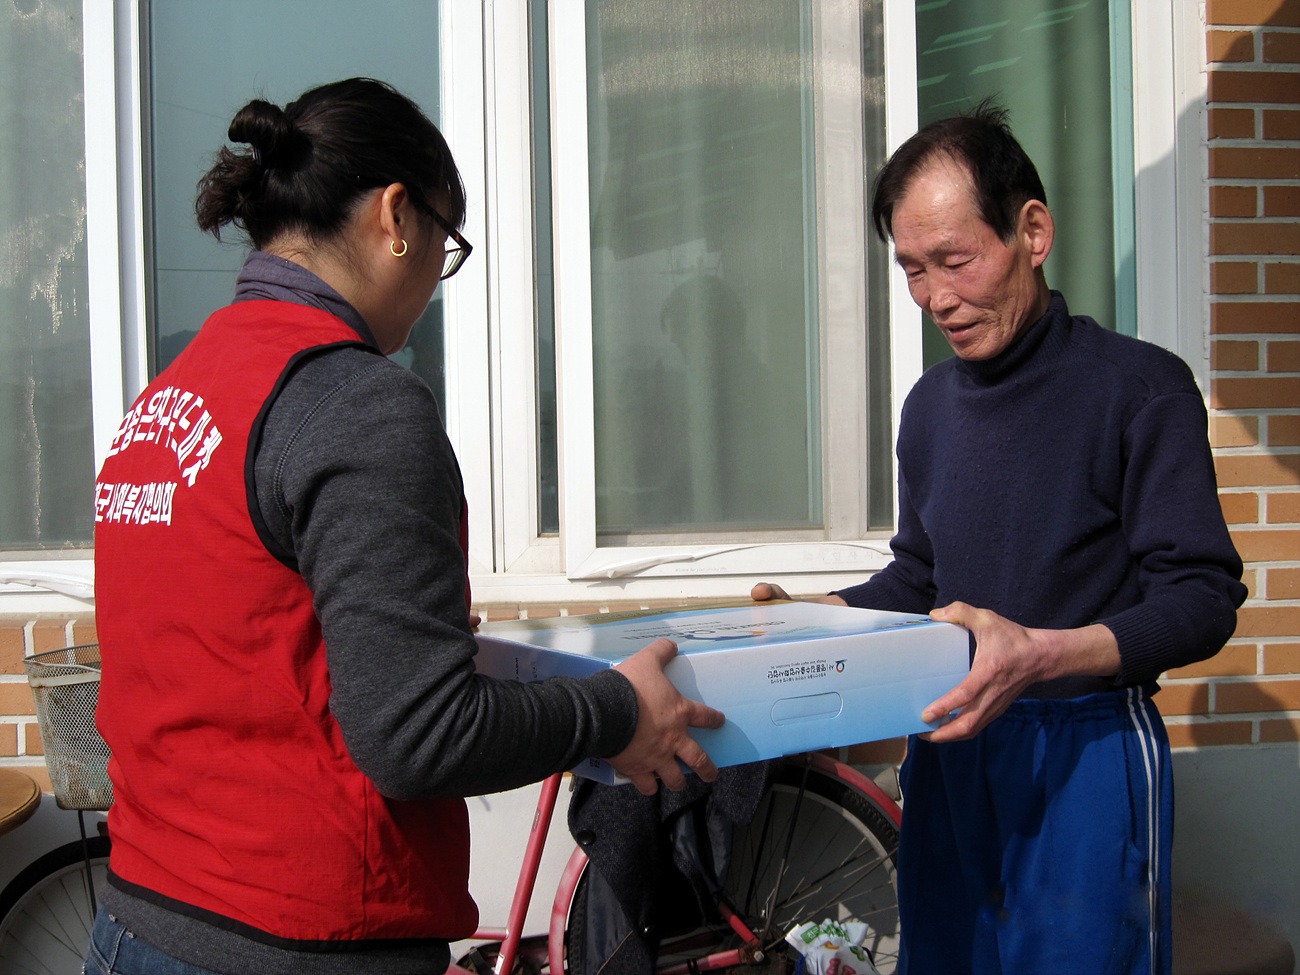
[(832, 948)]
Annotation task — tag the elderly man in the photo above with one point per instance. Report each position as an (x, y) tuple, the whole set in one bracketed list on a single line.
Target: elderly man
[(1056, 497)]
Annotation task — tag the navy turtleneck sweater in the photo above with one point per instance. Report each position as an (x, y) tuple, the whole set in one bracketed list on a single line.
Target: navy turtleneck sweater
[(1066, 481)]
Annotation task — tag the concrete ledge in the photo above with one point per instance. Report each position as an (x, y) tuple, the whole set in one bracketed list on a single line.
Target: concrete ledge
[(1211, 938)]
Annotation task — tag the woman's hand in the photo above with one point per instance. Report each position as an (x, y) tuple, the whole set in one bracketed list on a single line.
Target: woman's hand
[(663, 715)]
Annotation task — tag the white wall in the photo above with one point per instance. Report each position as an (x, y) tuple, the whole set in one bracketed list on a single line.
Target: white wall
[(1236, 819), (498, 828)]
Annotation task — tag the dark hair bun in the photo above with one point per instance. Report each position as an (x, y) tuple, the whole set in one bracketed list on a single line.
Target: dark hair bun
[(277, 142), (311, 160)]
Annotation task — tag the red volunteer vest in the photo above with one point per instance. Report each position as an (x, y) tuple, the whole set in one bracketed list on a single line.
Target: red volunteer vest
[(234, 793)]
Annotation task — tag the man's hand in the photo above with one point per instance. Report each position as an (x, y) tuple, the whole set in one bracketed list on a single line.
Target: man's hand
[(1008, 658), (766, 591), (663, 715)]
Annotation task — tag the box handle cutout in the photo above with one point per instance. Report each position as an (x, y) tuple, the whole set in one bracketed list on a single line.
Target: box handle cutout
[(810, 707)]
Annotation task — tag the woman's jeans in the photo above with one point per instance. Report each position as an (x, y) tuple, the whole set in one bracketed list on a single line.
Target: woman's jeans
[(116, 951)]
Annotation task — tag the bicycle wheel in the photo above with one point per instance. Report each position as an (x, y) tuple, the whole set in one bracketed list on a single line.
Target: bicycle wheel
[(45, 916), (817, 848)]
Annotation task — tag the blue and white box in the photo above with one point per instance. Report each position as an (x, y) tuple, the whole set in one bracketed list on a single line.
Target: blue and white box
[(790, 677)]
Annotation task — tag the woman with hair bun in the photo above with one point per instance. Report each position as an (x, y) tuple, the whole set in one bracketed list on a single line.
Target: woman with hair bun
[(281, 596)]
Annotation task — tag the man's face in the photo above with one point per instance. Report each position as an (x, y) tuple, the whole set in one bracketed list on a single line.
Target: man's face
[(980, 291)]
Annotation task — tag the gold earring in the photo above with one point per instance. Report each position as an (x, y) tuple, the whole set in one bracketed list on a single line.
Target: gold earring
[(392, 246)]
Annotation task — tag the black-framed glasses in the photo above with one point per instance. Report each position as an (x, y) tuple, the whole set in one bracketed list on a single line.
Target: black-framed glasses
[(455, 256)]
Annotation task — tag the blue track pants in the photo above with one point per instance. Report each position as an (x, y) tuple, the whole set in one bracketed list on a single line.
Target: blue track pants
[(1042, 845)]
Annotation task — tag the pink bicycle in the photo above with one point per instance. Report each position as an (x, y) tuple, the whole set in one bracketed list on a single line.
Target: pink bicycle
[(821, 845)]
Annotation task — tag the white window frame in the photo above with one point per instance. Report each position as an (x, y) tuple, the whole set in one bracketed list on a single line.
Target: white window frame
[(532, 566), (491, 352), (1169, 98), (55, 583), (585, 561), (467, 296), (519, 549)]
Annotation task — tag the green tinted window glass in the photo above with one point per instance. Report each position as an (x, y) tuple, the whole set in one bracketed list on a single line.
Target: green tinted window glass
[(46, 450), (207, 60), (704, 259), (1063, 70)]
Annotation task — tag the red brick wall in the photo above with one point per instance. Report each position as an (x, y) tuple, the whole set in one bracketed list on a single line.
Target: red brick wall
[(1250, 693), (20, 738)]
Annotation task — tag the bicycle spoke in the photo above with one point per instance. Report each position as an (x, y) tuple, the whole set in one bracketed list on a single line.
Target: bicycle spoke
[(856, 876), (47, 931), (848, 867), (789, 842), (846, 871), (747, 906), (830, 866)]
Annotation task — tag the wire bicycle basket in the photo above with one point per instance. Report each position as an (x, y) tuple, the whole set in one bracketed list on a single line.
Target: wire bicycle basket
[(65, 684)]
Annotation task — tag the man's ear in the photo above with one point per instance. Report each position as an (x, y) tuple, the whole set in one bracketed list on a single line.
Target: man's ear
[(1037, 229)]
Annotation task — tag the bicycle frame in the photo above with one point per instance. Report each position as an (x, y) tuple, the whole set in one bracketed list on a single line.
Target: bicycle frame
[(511, 936)]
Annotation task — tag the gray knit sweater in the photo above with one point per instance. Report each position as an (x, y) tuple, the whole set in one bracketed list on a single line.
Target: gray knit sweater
[(359, 490)]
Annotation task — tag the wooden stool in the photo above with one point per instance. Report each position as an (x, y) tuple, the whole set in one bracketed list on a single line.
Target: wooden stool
[(1211, 938), (19, 797)]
